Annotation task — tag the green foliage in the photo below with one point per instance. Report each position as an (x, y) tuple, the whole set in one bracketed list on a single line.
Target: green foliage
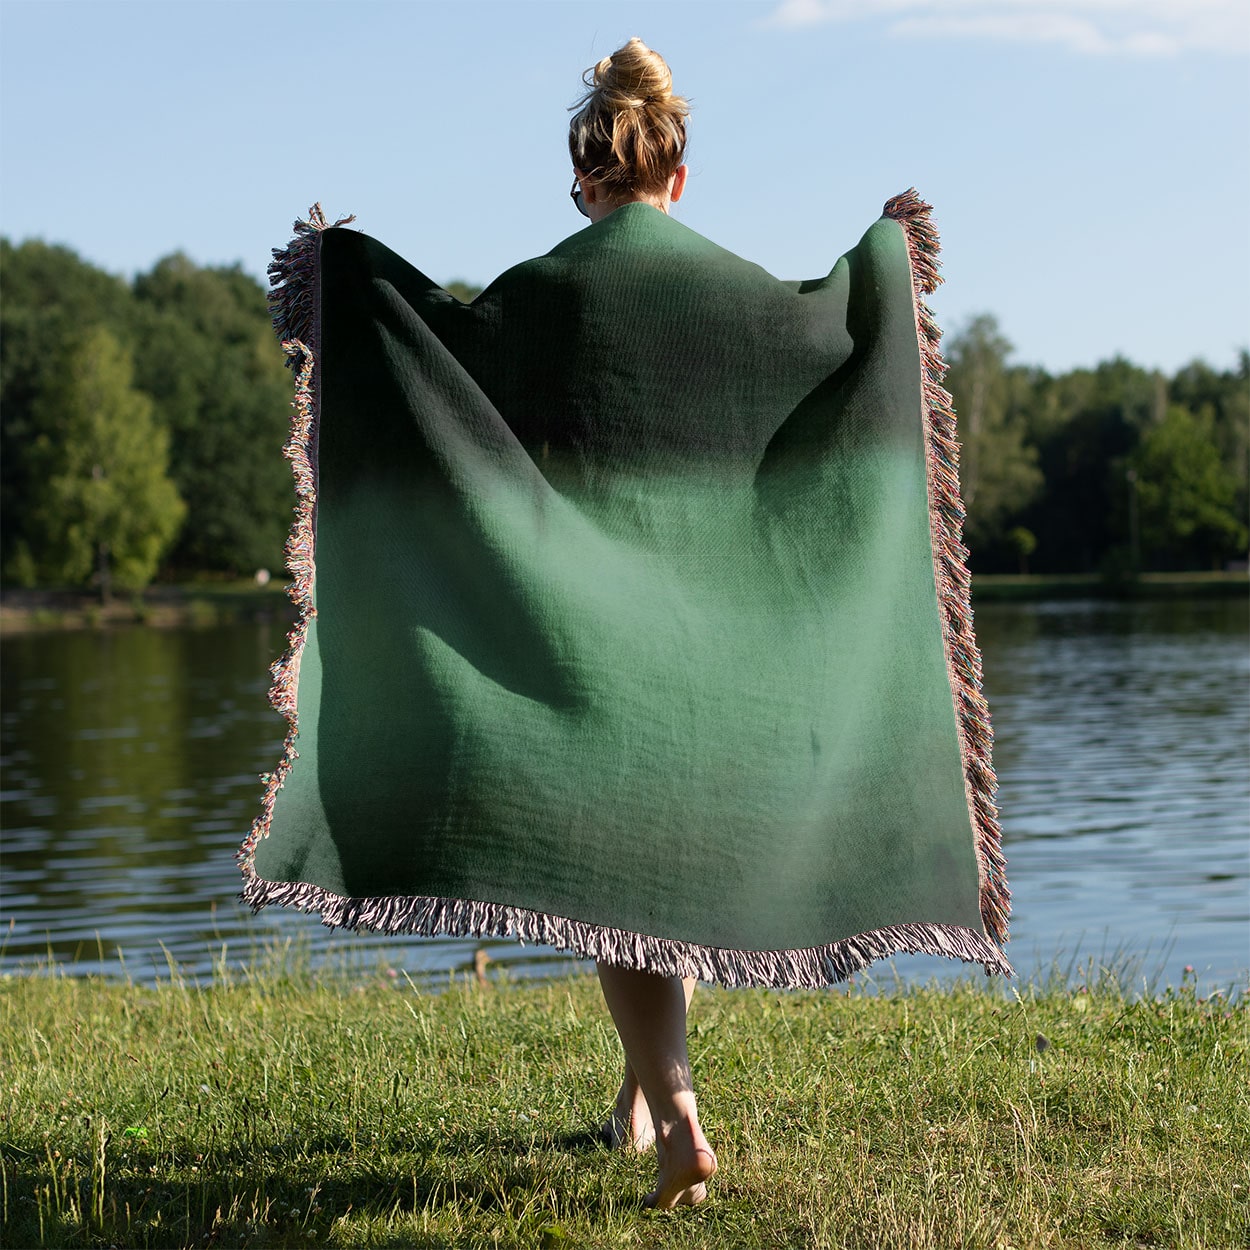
[(276, 1108), (100, 503), (1082, 517), (1222, 400), (207, 355), (204, 355), (50, 298), (465, 292), (1024, 543), (1054, 457), (1187, 491), (998, 468)]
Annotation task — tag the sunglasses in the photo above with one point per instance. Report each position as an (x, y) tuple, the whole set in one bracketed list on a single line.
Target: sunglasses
[(576, 196)]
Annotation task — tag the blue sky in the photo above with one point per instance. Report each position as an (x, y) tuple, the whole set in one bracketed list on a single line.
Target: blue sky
[(1087, 159)]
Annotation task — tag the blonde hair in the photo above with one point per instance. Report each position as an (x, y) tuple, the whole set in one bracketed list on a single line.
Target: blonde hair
[(629, 131)]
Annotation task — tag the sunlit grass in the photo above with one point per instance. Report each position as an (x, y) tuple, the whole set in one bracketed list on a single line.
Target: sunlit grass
[(282, 1107)]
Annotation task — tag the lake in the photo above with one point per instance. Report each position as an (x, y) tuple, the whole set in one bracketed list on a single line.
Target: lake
[(131, 759)]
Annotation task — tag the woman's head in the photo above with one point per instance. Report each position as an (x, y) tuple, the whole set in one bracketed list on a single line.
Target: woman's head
[(629, 131)]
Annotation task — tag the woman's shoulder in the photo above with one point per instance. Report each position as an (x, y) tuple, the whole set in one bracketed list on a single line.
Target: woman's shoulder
[(640, 239), (637, 250)]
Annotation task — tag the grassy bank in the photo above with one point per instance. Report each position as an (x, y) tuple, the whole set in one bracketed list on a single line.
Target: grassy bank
[(189, 604), (998, 587), (285, 1110)]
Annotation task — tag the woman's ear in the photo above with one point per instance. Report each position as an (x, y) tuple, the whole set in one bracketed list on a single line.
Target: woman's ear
[(678, 184)]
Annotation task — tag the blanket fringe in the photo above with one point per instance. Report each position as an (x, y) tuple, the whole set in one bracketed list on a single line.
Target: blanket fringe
[(810, 968), (950, 561), (295, 304), (294, 275)]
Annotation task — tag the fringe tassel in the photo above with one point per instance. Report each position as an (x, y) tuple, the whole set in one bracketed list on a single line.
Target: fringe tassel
[(950, 557), (294, 275), (295, 302), (811, 968)]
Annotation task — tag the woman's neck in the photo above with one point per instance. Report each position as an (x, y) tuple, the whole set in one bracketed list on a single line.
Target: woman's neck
[(605, 208)]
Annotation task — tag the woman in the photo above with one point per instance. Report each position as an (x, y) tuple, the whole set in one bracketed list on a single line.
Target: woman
[(628, 143), (639, 624)]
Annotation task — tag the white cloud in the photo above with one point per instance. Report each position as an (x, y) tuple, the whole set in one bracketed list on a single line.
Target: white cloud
[(1138, 28)]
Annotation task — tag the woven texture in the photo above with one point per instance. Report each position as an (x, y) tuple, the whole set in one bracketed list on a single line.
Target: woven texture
[(627, 624)]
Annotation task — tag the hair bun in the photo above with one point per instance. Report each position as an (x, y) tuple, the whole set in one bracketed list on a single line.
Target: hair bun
[(633, 76)]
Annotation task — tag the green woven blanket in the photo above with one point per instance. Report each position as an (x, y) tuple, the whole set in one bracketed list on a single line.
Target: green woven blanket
[(634, 616)]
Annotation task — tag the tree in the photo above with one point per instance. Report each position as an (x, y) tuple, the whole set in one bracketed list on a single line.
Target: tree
[(102, 505), (465, 292), (50, 297), (1088, 422), (998, 468), (1223, 399), (1024, 543), (1187, 493), (208, 357)]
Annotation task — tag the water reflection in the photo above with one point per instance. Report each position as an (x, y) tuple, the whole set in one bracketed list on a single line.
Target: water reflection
[(131, 759)]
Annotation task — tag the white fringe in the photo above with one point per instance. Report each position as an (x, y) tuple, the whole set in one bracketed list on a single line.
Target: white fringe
[(809, 968)]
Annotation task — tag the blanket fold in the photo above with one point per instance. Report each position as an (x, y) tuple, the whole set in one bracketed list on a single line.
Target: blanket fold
[(634, 618)]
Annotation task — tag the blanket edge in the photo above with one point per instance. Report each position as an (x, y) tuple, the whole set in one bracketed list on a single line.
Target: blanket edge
[(807, 968), (950, 566), (295, 306)]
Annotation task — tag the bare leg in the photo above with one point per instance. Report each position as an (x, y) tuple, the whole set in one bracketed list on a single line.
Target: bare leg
[(649, 1012), (629, 1126)]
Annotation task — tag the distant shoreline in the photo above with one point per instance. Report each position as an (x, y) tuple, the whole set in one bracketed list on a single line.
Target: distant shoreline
[(196, 604), (163, 606), (1005, 587)]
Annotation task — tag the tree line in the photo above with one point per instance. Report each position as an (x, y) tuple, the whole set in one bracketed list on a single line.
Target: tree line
[(1114, 470), (140, 424)]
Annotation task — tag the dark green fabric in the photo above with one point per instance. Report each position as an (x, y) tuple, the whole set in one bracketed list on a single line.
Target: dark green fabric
[(625, 597)]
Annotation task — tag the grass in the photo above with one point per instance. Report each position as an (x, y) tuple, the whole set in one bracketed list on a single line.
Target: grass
[(281, 1107)]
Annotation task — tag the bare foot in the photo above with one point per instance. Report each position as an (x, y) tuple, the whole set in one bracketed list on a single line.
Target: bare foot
[(629, 1126), (686, 1165)]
